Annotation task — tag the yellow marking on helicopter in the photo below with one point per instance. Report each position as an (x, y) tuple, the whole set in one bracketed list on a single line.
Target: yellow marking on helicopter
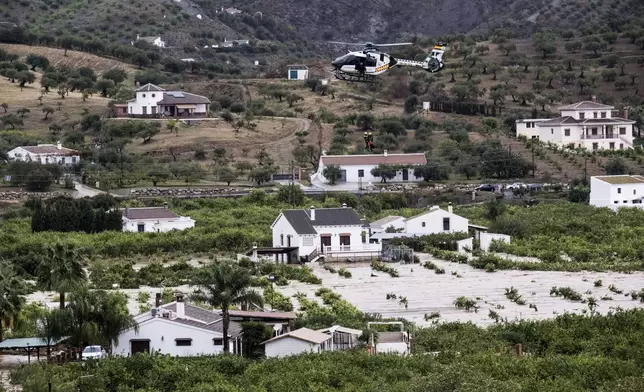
[(382, 68)]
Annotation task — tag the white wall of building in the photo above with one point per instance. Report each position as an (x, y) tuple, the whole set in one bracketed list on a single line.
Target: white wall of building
[(20, 154), (355, 235), (282, 229), (158, 225), (159, 42), (201, 108), (432, 223), (302, 74), (465, 245), (353, 174), (600, 131), (147, 99), (162, 334), (392, 348), (614, 196), (398, 224), (528, 128), (288, 345), (487, 238)]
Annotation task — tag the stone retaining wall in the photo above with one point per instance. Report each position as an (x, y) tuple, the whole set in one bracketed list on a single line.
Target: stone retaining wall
[(17, 195), (182, 192)]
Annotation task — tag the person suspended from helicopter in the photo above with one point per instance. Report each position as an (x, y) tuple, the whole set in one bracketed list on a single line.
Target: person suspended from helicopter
[(368, 140)]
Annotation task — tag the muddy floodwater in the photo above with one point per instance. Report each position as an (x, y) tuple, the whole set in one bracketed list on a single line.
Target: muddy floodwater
[(428, 292)]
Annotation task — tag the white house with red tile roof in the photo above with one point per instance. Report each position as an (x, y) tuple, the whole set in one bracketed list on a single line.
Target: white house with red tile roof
[(45, 154), (154, 220), (586, 124), (357, 168)]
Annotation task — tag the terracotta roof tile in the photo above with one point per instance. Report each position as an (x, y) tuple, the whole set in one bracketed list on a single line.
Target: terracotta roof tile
[(380, 159), (49, 149)]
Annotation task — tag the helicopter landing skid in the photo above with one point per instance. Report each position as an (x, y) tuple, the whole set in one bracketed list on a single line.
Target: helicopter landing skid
[(355, 77)]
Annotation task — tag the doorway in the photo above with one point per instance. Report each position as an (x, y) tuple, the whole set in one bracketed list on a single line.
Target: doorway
[(325, 241), (140, 346), (405, 175)]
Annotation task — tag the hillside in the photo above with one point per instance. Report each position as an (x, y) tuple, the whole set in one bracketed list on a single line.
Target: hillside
[(287, 26)]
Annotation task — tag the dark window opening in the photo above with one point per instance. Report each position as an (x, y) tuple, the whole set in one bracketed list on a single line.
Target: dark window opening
[(446, 224), (360, 173), (183, 342), (218, 342), (140, 228)]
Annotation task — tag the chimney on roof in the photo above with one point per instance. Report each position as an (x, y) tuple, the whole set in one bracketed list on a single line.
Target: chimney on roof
[(165, 205), (344, 205), (594, 98), (181, 306), (59, 146), (157, 300), (137, 37), (449, 207), (385, 152), (626, 113), (127, 209), (312, 213)]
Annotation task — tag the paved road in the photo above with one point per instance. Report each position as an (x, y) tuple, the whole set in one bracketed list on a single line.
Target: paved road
[(85, 191)]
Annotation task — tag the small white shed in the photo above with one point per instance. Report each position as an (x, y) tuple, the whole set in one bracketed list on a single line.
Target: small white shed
[(297, 342), (297, 72)]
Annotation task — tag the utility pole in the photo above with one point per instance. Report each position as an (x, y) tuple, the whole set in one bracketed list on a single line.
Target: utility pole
[(533, 166), (292, 189)]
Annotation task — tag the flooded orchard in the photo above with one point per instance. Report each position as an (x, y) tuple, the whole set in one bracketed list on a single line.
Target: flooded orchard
[(428, 292)]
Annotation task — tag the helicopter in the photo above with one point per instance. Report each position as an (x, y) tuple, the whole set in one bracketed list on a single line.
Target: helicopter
[(369, 63)]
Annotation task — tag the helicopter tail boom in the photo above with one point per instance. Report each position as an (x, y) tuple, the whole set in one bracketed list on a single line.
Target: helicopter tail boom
[(432, 63)]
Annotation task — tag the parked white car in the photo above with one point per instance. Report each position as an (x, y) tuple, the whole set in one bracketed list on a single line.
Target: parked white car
[(516, 185), (93, 352)]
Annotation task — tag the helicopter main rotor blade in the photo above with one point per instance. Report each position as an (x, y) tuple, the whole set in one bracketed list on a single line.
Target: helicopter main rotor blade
[(346, 43), (395, 44)]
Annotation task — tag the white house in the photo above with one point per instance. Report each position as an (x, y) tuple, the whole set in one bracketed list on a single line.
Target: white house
[(357, 168), (231, 10), (179, 329), (154, 220), (296, 342), (233, 42), (343, 338), (391, 222), (586, 124), (153, 40), (331, 231), (617, 191), (297, 72), (436, 221), (154, 101), (45, 154)]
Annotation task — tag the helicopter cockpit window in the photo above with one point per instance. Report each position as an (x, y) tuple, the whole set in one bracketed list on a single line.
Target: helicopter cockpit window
[(371, 61), (382, 57), (348, 59)]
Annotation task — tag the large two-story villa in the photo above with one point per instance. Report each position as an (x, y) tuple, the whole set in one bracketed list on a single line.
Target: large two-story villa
[(586, 124)]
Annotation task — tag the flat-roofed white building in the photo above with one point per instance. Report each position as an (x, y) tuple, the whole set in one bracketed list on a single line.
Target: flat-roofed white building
[(617, 191)]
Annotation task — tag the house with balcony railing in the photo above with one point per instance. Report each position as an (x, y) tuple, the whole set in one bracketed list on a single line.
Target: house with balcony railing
[(330, 233), (588, 124)]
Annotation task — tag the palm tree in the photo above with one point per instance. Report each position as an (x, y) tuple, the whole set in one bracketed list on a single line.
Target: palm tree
[(51, 326), (61, 270), (12, 295), (83, 325), (114, 317), (223, 285)]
